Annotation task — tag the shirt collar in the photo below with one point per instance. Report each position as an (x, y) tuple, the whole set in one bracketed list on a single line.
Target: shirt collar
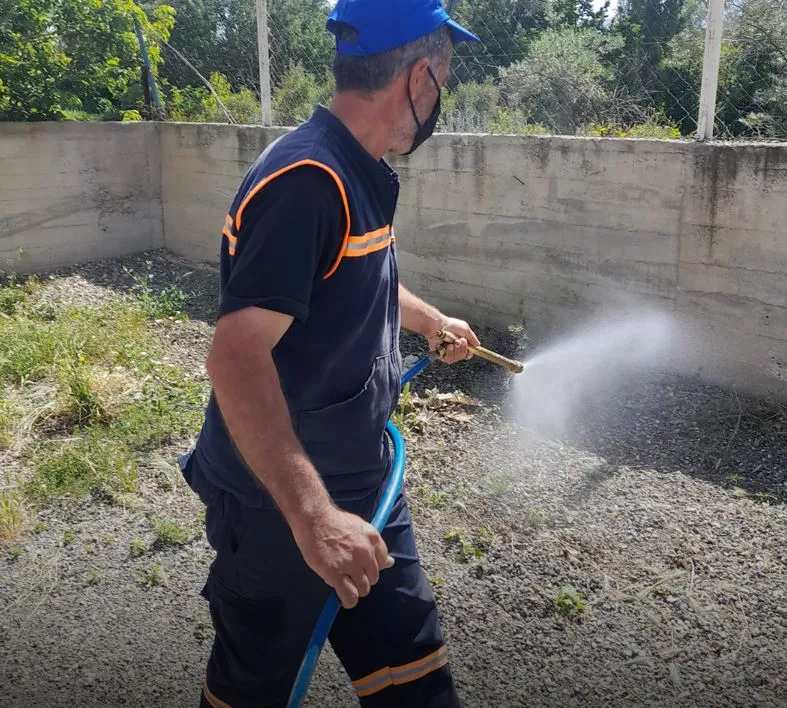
[(323, 117)]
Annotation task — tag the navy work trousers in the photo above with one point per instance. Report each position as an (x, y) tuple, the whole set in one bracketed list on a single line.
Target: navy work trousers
[(264, 602)]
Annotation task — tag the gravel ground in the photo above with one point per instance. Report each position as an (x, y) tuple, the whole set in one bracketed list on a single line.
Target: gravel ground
[(664, 507)]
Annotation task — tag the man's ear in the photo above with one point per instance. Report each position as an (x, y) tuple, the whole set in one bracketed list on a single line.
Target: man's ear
[(417, 75)]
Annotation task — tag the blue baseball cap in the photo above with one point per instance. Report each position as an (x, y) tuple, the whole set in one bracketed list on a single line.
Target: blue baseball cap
[(367, 27)]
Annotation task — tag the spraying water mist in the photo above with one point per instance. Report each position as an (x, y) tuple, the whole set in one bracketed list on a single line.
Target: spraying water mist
[(592, 363)]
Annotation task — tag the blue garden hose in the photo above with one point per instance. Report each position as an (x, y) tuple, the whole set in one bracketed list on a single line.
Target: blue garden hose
[(380, 519)]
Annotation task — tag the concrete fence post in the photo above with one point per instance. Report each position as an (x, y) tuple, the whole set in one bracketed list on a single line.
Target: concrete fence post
[(710, 70), (264, 59)]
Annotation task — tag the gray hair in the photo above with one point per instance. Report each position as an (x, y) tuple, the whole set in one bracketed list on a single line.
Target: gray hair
[(369, 74)]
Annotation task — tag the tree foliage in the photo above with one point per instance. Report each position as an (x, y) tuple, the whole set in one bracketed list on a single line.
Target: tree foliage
[(71, 58), (563, 80), (545, 65)]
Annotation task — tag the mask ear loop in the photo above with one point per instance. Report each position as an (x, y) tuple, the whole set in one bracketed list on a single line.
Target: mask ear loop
[(410, 97)]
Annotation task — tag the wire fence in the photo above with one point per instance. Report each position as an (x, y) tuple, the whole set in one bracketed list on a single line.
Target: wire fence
[(544, 67)]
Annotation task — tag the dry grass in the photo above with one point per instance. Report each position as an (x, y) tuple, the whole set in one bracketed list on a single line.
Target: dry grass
[(84, 391), (14, 515)]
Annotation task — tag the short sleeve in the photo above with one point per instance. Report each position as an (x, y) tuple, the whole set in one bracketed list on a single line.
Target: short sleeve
[(291, 234)]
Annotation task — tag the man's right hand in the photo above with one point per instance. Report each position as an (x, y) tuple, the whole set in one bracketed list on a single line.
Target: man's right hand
[(344, 550)]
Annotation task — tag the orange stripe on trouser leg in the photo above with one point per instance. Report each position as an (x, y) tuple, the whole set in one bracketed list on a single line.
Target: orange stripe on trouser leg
[(212, 699), (399, 675)]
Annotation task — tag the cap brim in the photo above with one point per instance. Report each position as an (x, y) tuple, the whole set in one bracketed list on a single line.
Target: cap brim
[(459, 34)]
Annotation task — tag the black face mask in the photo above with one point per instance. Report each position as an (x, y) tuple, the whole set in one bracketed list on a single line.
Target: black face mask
[(426, 129)]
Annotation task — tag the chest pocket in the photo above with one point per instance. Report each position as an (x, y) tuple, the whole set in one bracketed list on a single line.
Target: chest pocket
[(346, 441)]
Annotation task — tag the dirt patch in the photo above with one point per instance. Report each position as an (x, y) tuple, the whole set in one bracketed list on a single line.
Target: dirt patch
[(643, 562)]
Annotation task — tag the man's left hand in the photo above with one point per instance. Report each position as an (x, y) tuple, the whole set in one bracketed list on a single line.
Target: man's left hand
[(457, 351)]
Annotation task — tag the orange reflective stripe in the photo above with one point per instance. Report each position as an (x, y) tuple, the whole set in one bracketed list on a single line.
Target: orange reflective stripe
[(369, 242), (398, 675), (278, 173), (213, 700), (228, 220), (371, 235), (232, 239)]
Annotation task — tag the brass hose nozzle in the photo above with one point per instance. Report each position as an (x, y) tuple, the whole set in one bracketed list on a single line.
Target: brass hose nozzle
[(512, 365)]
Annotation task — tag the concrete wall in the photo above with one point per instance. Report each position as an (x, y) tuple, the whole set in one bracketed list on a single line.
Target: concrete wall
[(73, 192), (500, 230), (202, 166), (546, 230)]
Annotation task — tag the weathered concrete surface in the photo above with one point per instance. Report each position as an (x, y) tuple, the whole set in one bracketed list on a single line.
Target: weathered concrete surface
[(544, 230), (202, 165), (73, 192), (548, 230)]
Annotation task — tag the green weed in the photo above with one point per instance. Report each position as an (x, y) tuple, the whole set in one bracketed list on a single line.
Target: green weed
[(470, 548), (14, 293), (81, 402), (403, 409), (533, 518), (436, 581), (164, 415), (69, 536), (166, 303), (92, 463), (498, 485), (570, 602), (114, 395), (6, 423), (95, 577), (170, 532), (203, 631), (16, 552), (33, 346), (154, 576), (432, 497), (138, 547), (10, 299)]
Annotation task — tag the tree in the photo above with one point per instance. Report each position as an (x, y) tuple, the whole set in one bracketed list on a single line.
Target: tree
[(562, 82), (646, 28), (297, 95), (64, 58), (580, 13), (505, 28), (752, 72), (31, 63), (221, 35)]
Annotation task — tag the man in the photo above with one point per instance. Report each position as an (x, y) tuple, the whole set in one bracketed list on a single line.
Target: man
[(305, 366)]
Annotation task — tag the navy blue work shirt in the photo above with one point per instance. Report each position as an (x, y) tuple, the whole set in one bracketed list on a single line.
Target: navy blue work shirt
[(310, 234)]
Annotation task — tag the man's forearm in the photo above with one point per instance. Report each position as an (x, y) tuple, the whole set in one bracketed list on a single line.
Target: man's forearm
[(418, 316), (255, 412)]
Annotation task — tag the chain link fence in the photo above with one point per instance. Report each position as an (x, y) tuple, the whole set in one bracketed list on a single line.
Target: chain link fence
[(579, 67)]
